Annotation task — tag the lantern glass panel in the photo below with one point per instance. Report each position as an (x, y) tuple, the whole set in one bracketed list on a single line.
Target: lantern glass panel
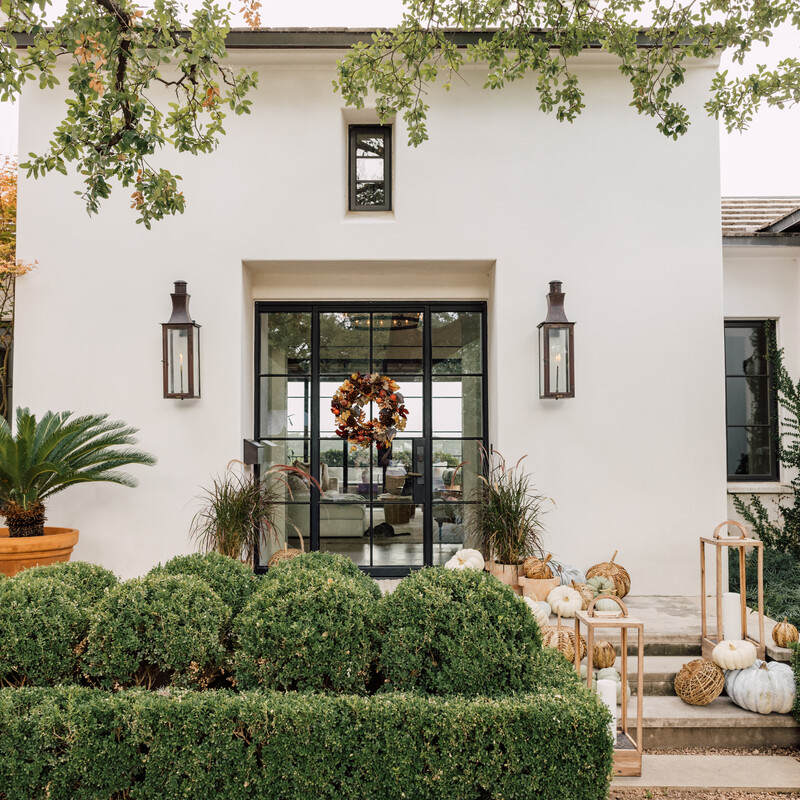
[(178, 361), (195, 388), (558, 349)]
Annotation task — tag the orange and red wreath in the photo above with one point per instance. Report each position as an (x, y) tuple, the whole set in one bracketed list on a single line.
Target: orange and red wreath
[(348, 404)]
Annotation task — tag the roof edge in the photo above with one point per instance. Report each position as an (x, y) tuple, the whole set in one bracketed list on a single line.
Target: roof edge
[(343, 38)]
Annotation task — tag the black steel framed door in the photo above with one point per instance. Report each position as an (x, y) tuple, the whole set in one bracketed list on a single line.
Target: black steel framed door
[(390, 511)]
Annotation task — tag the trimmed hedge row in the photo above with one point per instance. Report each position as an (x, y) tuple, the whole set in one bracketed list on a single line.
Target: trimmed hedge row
[(73, 742), (315, 623)]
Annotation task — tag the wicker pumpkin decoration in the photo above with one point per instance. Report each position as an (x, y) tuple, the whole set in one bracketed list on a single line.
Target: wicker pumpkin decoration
[(699, 682), (586, 592), (283, 555), (562, 639), (616, 573), (603, 655), (784, 633), (537, 568)]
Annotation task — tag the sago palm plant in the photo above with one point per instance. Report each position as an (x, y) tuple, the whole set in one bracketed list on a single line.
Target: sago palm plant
[(48, 455)]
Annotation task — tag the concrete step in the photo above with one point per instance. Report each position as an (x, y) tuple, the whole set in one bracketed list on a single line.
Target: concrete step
[(754, 772), (668, 722), (659, 673)]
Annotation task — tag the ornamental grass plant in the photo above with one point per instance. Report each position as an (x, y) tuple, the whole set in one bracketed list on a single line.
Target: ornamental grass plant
[(239, 510), (508, 515)]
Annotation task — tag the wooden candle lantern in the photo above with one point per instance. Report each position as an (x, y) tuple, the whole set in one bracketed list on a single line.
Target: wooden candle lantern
[(721, 545), (627, 749)]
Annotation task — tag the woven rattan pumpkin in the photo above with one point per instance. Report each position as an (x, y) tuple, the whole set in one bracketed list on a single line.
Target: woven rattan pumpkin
[(699, 682), (784, 633), (537, 568), (614, 572), (585, 591), (284, 554), (559, 638), (562, 639), (603, 655)]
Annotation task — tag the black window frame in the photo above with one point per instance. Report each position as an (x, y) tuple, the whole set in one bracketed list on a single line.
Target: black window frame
[(428, 308), (375, 130), (772, 425)]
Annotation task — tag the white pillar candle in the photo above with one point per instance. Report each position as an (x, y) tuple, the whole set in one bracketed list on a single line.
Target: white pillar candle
[(607, 690), (731, 616)]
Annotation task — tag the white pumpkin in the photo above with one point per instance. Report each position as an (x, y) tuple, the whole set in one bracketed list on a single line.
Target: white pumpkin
[(564, 600), (466, 559), (734, 654), (545, 606), (764, 688), (541, 618)]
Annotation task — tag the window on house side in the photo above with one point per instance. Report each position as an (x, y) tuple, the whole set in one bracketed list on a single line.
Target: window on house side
[(750, 408), (370, 167)]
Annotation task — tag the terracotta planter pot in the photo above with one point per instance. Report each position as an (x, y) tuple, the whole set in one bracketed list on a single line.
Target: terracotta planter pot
[(30, 551), (538, 588), (506, 573)]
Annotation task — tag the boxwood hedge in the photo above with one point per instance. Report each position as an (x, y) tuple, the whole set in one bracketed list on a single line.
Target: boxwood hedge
[(233, 581), (91, 580), (73, 742), (332, 562), (41, 623), (457, 632), (306, 630), (157, 630)]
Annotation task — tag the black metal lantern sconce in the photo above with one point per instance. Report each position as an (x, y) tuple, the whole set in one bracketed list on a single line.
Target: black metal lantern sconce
[(181, 345), (556, 348)]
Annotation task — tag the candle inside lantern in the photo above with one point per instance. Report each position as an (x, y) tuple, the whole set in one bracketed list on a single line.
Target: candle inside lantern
[(607, 691), (180, 359), (558, 364), (731, 616)]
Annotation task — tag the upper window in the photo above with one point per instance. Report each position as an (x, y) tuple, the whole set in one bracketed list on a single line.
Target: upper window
[(370, 168), (750, 408)]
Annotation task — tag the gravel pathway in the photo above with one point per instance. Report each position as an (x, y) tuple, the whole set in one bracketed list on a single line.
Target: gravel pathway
[(683, 794)]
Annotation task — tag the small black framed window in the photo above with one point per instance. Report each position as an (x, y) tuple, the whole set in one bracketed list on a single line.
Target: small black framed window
[(370, 167), (751, 412)]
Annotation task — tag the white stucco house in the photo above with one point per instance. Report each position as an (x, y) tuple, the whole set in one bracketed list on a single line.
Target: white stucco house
[(316, 243)]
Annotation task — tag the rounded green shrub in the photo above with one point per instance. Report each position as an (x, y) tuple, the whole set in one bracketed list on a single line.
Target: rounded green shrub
[(157, 630), (332, 562), (41, 623), (306, 630), (457, 632), (233, 581), (91, 580)]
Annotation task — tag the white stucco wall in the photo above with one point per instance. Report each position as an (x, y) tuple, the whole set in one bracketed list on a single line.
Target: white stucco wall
[(499, 202), (762, 281)]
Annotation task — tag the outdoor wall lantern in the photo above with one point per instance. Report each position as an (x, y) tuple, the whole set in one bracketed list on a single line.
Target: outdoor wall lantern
[(181, 346), (556, 350)]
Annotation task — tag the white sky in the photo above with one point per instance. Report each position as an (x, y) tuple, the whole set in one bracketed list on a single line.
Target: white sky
[(765, 160)]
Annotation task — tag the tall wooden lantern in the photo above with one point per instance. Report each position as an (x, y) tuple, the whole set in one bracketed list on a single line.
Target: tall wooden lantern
[(731, 610), (627, 748)]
